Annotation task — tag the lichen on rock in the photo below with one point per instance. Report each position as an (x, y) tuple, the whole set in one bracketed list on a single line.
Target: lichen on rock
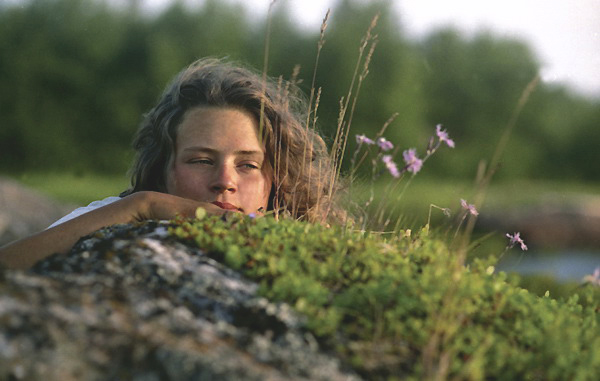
[(131, 302)]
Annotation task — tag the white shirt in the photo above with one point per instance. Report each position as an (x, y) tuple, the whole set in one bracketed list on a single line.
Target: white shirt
[(83, 210)]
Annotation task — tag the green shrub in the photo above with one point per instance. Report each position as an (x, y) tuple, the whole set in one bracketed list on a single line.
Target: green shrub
[(406, 308)]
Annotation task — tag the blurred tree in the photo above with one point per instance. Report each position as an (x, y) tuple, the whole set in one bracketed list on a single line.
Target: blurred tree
[(51, 54), (581, 157), (181, 35), (549, 126), (78, 74), (472, 87)]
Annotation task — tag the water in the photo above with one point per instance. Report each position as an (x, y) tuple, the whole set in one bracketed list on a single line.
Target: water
[(564, 266)]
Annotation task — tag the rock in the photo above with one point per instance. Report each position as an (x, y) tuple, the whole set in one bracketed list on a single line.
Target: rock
[(24, 211), (555, 223), (131, 302)]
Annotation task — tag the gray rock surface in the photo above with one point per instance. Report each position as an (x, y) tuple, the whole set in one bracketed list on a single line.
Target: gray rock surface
[(24, 211), (132, 303)]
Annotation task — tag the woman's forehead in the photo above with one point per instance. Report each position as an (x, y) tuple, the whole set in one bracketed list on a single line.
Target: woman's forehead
[(215, 128)]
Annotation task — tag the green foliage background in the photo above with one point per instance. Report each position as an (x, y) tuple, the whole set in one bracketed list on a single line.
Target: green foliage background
[(78, 74)]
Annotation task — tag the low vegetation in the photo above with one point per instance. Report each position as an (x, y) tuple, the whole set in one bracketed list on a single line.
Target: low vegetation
[(406, 306), (391, 302)]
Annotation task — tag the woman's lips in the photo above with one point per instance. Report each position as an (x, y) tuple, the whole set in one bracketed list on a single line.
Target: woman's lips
[(226, 205)]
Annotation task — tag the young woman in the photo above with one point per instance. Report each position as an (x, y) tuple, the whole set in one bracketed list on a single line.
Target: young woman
[(220, 138)]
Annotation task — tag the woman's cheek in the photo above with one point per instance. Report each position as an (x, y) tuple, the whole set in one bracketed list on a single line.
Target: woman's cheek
[(186, 181)]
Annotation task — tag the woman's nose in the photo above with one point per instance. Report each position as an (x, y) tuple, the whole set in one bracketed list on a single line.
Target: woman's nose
[(224, 180)]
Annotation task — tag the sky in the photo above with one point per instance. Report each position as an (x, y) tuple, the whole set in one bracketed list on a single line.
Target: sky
[(565, 34)]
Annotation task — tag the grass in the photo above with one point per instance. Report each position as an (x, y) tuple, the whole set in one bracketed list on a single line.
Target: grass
[(75, 188), (413, 205), (423, 191)]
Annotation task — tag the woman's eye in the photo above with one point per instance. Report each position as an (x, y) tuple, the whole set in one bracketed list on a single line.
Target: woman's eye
[(250, 166), (200, 161)]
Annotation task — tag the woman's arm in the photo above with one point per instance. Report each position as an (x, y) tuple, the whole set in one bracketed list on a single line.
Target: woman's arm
[(139, 206)]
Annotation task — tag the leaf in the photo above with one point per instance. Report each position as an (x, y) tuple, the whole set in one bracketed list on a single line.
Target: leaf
[(200, 213)]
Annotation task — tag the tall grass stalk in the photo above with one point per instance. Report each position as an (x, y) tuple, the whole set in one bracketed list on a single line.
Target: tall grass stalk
[(376, 216), (450, 317), (485, 174), (366, 50), (265, 68), (261, 121), (308, 124), (343, 125)]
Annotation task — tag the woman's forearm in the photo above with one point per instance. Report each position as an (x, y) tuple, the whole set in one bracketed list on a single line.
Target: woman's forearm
[(23, 253), (139, 206)]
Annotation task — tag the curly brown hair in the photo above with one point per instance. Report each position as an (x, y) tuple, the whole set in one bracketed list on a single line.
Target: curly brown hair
[(304, 184)]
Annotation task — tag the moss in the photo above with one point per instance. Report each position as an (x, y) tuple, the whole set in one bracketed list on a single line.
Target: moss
[(396, 307)]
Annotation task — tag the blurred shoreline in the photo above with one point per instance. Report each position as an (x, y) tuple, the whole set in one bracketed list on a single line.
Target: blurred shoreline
[(553, 223)]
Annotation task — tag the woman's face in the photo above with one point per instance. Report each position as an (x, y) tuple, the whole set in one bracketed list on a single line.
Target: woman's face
[(219, 159)]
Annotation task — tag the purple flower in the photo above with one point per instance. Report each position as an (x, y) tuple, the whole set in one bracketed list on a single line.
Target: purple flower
[(443, 136), (360, 139), (469, 207), (413, 163), (384, 144), (391, 166), (252, 215), (594, 278), (514, 239)]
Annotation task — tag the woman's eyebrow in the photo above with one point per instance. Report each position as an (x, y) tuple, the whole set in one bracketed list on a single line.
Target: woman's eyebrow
[(250, 153), (200, 149)]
